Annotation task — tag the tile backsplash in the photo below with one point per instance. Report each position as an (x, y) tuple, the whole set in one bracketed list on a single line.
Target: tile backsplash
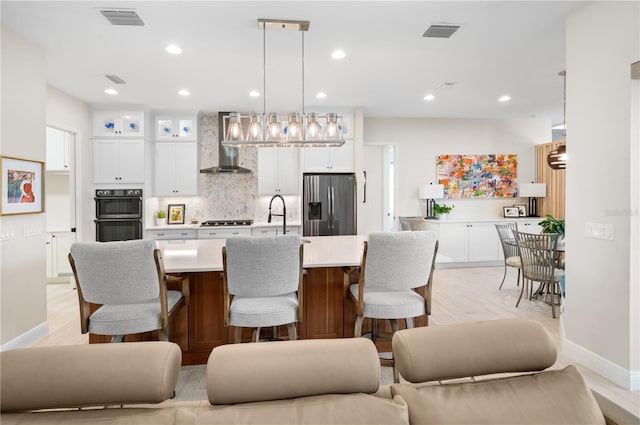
[(228, 196)]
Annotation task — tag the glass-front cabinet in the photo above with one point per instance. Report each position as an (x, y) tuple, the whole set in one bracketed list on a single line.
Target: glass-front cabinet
[(176, 127), (118, 123)]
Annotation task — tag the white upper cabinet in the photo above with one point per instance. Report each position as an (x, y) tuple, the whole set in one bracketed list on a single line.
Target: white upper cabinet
[(174, 127), (278, 171), (118, 161), (118, 123), (58, 154), (176, 169), (329, 160)]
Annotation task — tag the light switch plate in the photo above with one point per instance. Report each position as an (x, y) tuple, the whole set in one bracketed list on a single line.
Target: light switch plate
[(7, 233), (600, 231)]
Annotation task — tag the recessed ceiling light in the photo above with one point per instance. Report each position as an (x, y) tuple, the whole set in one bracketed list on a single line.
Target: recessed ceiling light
[(254, 93), (338, 54), (111, 91), (504, 98), (184, 92), (429, 97), (321, 95), (173, 49)]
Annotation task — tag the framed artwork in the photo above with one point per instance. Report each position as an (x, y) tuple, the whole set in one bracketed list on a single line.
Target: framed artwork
[(511, 212), (478, 176), (176, 214), (522, 210), (22, 186)]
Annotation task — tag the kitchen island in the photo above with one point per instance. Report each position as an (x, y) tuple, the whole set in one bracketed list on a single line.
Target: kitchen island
[(327, 313)]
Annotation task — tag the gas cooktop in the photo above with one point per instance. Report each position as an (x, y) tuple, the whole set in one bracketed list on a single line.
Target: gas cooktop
[(215, 223)]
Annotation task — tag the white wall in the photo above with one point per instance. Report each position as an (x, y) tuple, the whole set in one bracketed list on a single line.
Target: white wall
[(70, 114), (600, 319), (420, 140), (22, 258)]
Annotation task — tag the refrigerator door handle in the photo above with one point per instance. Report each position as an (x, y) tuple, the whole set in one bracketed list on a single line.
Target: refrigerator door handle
[(333, 201), (364, 195), (330, 206)]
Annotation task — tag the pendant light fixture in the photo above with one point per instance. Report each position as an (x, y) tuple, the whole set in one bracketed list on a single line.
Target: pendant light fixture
[(296, 129), (557, 158)]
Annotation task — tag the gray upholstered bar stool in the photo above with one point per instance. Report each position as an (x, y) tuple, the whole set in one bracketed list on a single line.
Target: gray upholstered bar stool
[(127, 279), (262, 283), (393, 265)]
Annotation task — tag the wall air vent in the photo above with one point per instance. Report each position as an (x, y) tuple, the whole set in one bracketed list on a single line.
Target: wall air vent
[(115, 79), (122, 17), (441, 31)]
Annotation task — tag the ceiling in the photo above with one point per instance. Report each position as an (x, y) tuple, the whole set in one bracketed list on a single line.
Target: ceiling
[(502, 47)]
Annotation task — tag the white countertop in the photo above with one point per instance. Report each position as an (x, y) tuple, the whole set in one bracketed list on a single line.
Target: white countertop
[(480, 220), (200, 255)]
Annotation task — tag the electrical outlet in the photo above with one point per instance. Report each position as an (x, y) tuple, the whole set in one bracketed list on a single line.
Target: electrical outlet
[(600, 231)]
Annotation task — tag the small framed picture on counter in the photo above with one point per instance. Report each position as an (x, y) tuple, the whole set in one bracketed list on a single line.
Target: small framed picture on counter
[(176, 214), (522, 210), (511, 212)]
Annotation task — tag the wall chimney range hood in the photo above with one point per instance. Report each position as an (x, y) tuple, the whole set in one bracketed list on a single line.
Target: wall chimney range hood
[(227, 156)]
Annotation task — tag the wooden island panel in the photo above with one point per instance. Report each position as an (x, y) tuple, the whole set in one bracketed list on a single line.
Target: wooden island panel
[(200, 326)]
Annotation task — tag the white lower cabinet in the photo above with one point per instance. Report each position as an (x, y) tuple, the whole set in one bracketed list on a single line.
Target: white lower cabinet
[(530, 225), (274, 231), (58, 247), (172, 234), (218, 233), (466, 242)]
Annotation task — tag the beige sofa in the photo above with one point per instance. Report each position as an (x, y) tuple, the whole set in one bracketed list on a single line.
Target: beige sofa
[(308, 381)]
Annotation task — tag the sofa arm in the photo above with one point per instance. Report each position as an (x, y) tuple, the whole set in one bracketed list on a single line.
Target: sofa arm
[(88, 375)]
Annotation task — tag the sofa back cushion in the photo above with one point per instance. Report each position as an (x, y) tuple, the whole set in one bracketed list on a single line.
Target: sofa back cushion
[(243, 373), (472, 349), (550, 397), (88, 375)]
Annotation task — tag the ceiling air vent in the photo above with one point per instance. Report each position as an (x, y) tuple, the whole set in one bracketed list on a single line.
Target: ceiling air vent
[(115, 79), (441, 31), (122, 17)]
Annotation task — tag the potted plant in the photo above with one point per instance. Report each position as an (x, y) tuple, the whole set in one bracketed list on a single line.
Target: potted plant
[(441, 211), (160, 217), (553, 225)]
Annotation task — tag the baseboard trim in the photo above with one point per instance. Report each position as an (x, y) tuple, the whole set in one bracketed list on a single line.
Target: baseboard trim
[(27, 338), (627, 379)]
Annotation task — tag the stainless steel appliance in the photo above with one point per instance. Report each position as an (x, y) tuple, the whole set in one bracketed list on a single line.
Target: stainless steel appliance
[(118, 214), (228, 157), (329, 204), (218, 223)]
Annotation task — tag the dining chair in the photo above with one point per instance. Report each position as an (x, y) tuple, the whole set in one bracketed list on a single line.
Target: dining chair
[(393, 265), (127, 282), (539, 264), (262, 279), (509, 249)]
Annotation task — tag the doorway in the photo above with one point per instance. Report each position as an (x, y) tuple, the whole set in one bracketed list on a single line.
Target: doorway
[(377, 212), (60, 201)]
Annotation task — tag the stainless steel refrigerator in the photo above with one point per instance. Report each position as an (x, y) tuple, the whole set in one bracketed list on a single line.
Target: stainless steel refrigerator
[(329, 204)]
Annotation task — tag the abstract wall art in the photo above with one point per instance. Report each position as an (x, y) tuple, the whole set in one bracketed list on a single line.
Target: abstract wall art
[(478, 176)]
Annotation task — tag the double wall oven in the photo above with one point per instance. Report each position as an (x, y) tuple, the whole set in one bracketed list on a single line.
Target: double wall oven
[(118, 214)]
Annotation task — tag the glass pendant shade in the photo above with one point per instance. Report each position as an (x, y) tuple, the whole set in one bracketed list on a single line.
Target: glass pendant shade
[(254, 132), (294, 128), (313, 127), (273, 132), (332, 131), (234, 130)]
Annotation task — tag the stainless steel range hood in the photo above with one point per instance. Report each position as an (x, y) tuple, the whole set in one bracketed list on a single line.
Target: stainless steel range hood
[(227, 156)]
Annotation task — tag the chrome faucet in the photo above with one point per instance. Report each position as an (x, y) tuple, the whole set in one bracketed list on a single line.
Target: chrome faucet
[(283, 215)]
